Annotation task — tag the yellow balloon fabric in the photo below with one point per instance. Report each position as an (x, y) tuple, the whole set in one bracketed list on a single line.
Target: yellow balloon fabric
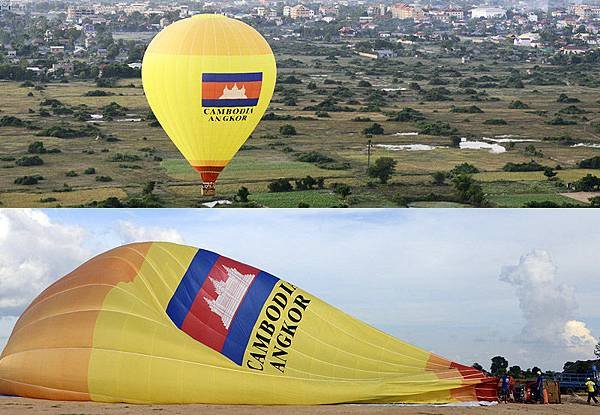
[(208, 80), (165, 323)]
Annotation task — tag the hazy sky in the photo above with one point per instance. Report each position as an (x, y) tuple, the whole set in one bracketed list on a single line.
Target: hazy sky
[(467, 284)]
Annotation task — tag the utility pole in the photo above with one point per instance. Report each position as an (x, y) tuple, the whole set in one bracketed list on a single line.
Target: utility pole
[(368, 154)]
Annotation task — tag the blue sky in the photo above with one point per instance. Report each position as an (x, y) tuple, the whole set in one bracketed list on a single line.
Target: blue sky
[(435, 278)]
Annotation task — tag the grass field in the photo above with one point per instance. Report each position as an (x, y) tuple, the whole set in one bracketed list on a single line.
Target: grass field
[(149, 155)]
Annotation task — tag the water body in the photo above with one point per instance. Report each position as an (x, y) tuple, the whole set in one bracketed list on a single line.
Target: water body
[(481, 145), (590, 145), (407, 147)]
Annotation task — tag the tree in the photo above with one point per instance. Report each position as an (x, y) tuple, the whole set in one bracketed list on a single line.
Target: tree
[(382, 169), (597, 350), (242, 194), (515, 371), (499, 365), (469, 190)]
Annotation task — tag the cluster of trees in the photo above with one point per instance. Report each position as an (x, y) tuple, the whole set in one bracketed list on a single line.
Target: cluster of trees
[(285, 185), (499, 366)]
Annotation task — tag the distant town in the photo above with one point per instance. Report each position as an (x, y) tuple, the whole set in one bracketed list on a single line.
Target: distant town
[(55, 39)]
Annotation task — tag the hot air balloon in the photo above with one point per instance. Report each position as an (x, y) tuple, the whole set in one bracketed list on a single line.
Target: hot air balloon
[(166, 323), (208, 80)]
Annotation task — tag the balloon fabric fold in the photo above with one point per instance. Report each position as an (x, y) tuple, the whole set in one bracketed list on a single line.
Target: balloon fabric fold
[(165, 323), (208, 80)]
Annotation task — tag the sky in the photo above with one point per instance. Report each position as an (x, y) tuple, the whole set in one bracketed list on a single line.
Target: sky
[(466, 284)]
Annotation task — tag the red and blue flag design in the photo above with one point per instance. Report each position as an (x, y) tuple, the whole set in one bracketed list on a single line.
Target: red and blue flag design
[(231, 89), (218, 302)]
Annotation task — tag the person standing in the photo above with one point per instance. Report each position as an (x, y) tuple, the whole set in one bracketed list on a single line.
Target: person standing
[(590, 386), (505, 388), (539, 387)]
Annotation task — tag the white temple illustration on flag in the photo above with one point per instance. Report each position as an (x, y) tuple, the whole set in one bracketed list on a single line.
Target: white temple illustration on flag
[(230, 293), (234, 92)]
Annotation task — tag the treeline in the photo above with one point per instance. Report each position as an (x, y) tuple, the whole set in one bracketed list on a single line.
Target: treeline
[(13, 72)]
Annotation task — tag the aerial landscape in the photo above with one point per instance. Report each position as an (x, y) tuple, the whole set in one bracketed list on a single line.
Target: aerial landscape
[(391, 105)]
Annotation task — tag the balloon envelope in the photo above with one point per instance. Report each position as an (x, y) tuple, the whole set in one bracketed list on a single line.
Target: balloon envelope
[(208, 80), (166, 323)]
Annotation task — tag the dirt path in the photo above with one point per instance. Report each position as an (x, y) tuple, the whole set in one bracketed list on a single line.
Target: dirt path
[(18, 406), (581, 196)]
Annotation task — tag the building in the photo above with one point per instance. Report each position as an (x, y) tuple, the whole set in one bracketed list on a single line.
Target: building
[(530, 40), (573, 50), (456, 14), (57, 49), (76, 13), (301, 12), (404, 11), (328, 10), (487, 12), (230, 293), (584, 11)]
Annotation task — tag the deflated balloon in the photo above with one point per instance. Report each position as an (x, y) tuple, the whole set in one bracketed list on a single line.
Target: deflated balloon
[(208, 80), (166, 323)]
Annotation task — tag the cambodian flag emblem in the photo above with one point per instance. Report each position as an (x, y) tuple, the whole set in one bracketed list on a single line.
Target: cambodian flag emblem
[(231, 89), (218, 302)]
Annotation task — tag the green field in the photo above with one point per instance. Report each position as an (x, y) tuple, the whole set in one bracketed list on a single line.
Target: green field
[(150, 156)]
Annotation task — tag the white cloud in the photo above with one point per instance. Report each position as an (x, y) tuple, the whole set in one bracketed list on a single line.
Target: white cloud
[(548, 307), (34, 252), (130, 232)]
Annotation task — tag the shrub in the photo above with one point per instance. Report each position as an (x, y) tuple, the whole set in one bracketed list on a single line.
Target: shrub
[(473, 109), (287, 129), (544, 204), (89, 170), (495, 121), (67, 132), (28, 180), (10, 121), (407, 114), (71, 173), (364, 84), (518, 105), (374, 129), (563, 98), (436, 128), (242, 194), (528, 166), (119, 157), (280, 185), (342, 189), (29, 161), (591, 163), (560, 121), (104, 179), (464, 168), (98, 93)]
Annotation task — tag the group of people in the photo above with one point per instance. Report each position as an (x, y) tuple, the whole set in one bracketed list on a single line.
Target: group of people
[(507, 389)]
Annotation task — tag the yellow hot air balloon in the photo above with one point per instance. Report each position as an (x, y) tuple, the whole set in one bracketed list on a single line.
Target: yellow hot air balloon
[(165, 323), (208, 80)]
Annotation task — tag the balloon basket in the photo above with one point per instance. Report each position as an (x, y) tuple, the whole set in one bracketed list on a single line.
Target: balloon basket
[(208, 189)]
